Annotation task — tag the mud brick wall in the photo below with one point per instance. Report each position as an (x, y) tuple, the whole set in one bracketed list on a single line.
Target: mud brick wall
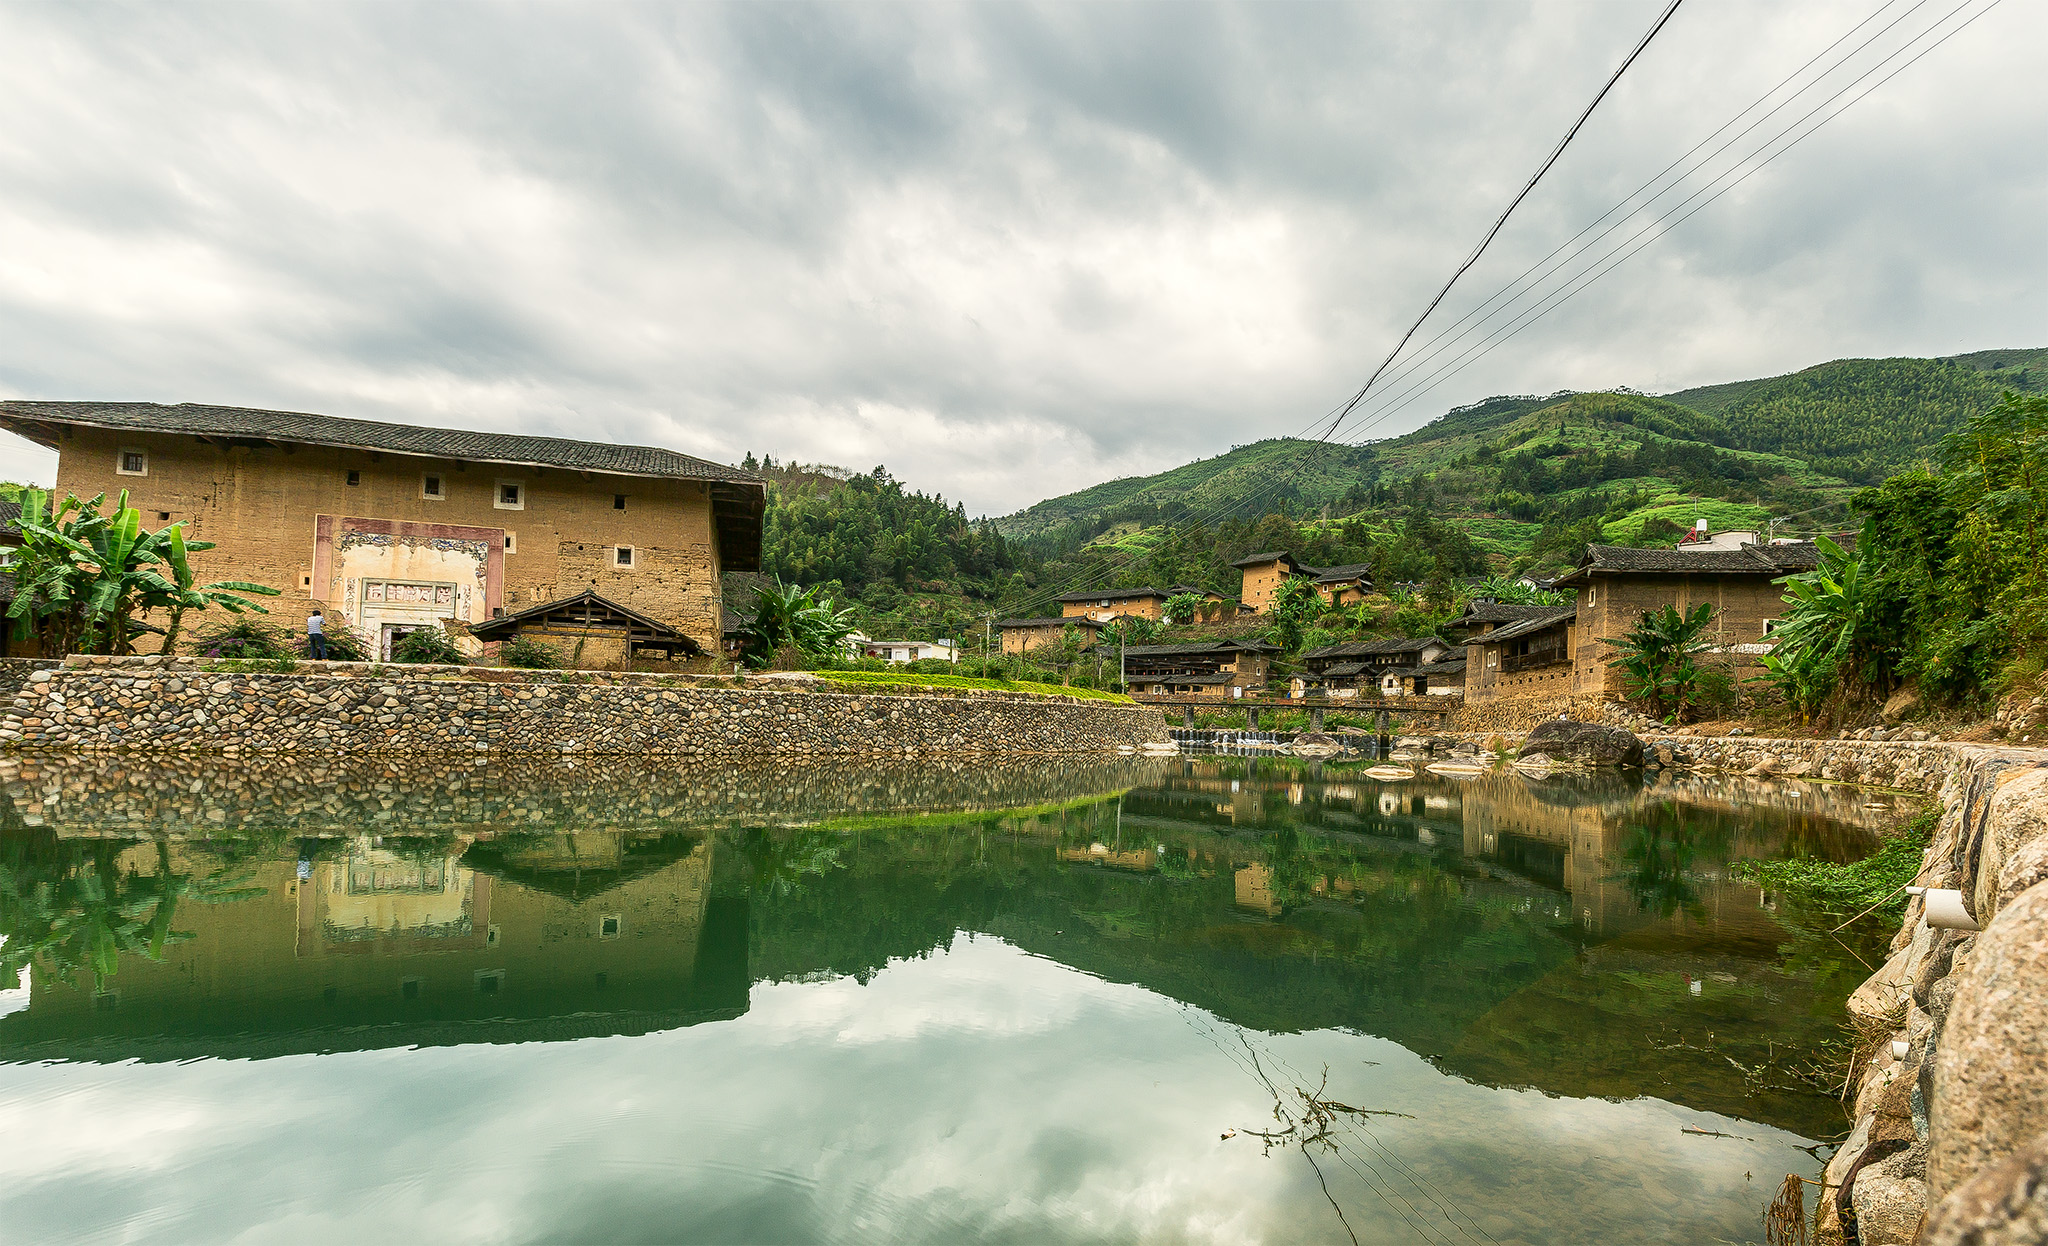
[(259, 504), (156, 705)]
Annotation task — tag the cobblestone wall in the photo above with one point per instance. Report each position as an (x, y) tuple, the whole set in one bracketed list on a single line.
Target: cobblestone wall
[(154, 705)]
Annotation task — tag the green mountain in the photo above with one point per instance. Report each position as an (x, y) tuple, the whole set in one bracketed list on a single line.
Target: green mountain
[(1863, 419), (1304, 475), (1526, 479)]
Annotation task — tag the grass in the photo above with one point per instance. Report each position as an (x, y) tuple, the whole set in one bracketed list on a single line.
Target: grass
[(942, 682), (960, 817), (1859, 885)]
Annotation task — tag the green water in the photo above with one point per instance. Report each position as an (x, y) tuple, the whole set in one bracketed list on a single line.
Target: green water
[(1037, 1001)]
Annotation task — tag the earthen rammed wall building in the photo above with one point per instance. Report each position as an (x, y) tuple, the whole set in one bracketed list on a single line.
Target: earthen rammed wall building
[(392, 527)]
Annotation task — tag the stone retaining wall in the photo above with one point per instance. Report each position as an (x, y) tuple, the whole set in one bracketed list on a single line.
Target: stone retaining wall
[(1955, 1130), (179, 705)]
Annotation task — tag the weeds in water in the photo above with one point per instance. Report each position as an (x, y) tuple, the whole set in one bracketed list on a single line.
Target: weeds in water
[(1876, 882)]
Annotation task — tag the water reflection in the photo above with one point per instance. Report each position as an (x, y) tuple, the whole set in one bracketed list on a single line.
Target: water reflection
[(1580, 937)]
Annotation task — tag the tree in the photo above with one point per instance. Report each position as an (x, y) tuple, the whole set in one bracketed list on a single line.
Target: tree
[(83, 580), (1656, 658), (1295, 603), (786, 616), (1181, 608), (1827, 637)]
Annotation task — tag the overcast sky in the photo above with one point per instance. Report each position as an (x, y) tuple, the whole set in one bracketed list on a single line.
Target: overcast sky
[(1007, 250)]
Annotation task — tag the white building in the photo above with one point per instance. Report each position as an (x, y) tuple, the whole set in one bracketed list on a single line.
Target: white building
[(899, 651)]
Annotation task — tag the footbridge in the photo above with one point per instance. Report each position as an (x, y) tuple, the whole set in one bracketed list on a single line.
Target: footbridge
[(1385, 710)]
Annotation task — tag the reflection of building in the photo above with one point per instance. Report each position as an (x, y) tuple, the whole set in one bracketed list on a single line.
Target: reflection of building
[(520, 938), (1254, 889)]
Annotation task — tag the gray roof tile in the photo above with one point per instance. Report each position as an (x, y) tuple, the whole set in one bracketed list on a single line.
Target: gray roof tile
[(330, 430)]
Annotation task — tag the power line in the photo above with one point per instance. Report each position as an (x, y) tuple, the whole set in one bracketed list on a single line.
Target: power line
[(1502, 220), (1578, 283), (1431, 348)]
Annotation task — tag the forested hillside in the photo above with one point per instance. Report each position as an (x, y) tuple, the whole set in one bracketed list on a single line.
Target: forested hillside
[(900, 556), (1515, 483), (1862, 419)]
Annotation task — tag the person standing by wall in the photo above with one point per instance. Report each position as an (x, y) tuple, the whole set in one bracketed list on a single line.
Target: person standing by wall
[(316, 635)]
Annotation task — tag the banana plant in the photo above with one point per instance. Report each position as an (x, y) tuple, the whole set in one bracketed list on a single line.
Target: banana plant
[(188, 595), (84, 579)]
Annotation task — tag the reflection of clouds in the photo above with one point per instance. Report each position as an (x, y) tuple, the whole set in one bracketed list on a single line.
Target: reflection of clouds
[(976, 1092)]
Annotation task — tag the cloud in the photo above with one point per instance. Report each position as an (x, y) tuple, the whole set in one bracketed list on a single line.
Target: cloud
[(975, 1093), (1008, 250)]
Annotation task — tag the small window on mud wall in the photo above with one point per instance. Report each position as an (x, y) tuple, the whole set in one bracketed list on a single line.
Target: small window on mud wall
[(131, 462), (511, 542), (608, 926), (622, 556), (511, 496), (431, 487)]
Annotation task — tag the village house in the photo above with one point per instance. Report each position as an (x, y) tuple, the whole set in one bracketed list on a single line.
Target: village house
[(395, 527), (1104, 605), (1024, 635), (1365, 665), (1214, 668), (1344, 586), (1618, 585), (1264, 574), (1485, 615), (898, 652), (1521, 657)]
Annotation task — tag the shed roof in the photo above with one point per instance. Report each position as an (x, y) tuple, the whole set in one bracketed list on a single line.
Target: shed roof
[(587, 611), (1501, 612), (1345, 574)]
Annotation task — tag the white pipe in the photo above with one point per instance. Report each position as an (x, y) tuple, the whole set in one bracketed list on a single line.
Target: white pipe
[(1945, 909)]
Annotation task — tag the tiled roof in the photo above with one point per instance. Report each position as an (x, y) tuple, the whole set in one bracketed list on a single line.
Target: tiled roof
[(1373, 648), (1769, 560), (1199, 647), (1110, 594), (1345, 574), (1343, 669), (329, 430), (1456, 666), (592, 603), (1277, 555), (1218, 678), (1551, 618), (1501, 612)]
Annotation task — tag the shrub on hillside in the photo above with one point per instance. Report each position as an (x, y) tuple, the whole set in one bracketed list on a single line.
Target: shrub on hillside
[(242, 640), (530, 655), (429, 646), (344, 644)]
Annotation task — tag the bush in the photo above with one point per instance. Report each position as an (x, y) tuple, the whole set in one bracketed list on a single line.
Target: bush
[(530, 655), (344, 644), (429, 646), (242, 640)]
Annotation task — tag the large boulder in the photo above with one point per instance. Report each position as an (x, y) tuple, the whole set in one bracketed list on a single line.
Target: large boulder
[(2005, 1205), (1991, 1064), (1586, 744), (1902, 705)]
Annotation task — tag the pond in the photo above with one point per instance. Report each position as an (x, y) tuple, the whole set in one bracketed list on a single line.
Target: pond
[(1190, 999)]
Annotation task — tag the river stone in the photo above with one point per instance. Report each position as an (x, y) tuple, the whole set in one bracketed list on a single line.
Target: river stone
[(1593, 744), (1991, 1070), (1890, 1198), (1903, 704), (2017, 820), (2005, 1205)]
